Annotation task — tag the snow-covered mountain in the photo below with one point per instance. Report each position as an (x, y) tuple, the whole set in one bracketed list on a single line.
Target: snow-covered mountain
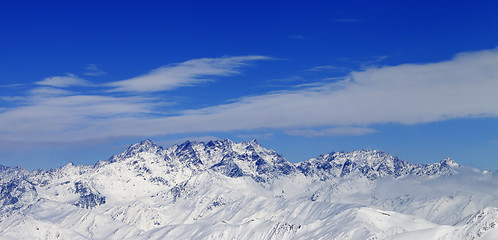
[(227, 190)]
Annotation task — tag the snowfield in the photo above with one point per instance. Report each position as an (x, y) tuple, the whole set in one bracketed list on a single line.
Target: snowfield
[(227, 190)]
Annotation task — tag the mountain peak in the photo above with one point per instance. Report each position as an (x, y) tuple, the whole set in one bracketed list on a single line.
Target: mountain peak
[(147, 142), (143, 146), (449, 162)]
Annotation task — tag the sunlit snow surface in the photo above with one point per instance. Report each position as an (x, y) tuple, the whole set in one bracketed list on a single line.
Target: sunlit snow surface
[(227, 190)]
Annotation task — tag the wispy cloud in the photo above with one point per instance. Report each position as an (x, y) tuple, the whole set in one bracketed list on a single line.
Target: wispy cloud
[(372, 62), (464, 86), (406, 94), (51, 114), (12, 98), (256, 136), (328, 68), (64, 81), (49, 91), (12, 85), (93, 70), (189, 73), (285, 82), (365, 62), (332, 132)]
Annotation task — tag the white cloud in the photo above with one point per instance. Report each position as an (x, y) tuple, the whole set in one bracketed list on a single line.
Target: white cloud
[(328, 68), (64, 81), (12, 99), (465, 86), (93, 70), (183, 74), (332, 132), (49, 91), (12, 85), (53, 117), (267, 135)]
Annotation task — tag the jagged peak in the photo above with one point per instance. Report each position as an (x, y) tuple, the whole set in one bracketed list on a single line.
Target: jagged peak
[(143, 146), (185, 144), (449, 162), (373, 164), (211, 143), (358, 156), (371, 152), (253, 145), (3, 168), (243, 147), (255, 141), (146, 142), (17, 168), (224, 142)]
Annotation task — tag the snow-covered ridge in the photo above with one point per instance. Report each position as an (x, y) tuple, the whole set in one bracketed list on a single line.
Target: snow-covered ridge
[(252, 159), (222, 189), (222, 156), (373, 164)]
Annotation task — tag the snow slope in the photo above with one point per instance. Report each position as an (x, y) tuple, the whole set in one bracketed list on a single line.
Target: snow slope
[(227, 190)]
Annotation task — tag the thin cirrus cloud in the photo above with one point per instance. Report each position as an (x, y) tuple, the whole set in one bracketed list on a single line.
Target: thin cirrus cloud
[(48, 91), (331, 132), (462, 87), (189, 73), (328, 68), (93, 70), (64, 81)]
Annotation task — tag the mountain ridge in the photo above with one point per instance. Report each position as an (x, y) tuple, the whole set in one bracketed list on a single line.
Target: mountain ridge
[(148, 144), (148, 191)]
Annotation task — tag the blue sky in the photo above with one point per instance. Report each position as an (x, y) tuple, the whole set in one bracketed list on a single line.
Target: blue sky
[(82, 80)]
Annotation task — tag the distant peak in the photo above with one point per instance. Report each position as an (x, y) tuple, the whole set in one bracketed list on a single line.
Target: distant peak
[(188, 142), (226, 140), (145, 145), (449, 162), (147, 142), (218, 142)]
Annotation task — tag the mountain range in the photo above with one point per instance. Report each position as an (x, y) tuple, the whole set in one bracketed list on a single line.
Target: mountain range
[(227, 190)]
